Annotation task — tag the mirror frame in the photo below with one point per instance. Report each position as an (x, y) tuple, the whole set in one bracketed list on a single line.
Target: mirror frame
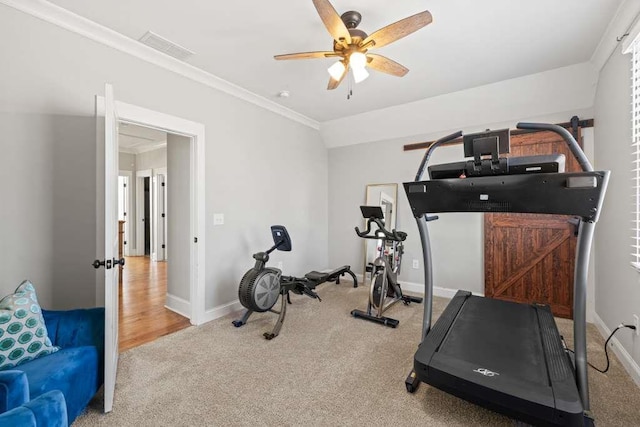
[(377, 203)]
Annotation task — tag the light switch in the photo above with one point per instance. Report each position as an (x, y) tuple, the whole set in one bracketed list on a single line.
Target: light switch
[(218, 219)]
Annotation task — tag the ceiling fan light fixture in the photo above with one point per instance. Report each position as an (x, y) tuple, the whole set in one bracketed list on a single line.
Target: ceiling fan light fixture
[(359, 74), (358, 60), (336, 70)]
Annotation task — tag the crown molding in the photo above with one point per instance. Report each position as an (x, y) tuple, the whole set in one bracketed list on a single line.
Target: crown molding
[(148, 148), (621, 23), (126, 150), (70, 21)]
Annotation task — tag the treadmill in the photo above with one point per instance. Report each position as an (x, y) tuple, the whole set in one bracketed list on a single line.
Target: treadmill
[(501, 355)]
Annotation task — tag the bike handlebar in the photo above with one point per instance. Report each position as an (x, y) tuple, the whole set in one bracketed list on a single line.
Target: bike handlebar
[(398, 236)]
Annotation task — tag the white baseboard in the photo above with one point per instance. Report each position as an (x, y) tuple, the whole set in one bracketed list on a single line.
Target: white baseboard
[(418, 288), (623, 355), (178, 305), (221, 310)]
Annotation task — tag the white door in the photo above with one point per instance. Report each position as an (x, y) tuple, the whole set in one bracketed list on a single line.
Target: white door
[(111, 247), (123, 208), (159, 216)]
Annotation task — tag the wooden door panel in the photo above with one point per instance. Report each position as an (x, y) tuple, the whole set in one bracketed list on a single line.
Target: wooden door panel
[(530, 258)]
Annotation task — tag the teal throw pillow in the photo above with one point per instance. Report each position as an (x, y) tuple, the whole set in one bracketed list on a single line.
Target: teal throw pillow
[(23, 334)]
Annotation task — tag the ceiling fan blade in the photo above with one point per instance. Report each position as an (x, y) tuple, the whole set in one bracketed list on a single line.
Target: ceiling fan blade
[(305, 55), (332, 21), (386, 65), (397, 30), (333, 83)]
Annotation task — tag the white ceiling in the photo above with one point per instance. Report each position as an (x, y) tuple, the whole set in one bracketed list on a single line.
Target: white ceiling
[(138, 139), (470, 43)]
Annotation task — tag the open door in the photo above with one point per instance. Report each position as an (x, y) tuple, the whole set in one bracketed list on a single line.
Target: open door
[(159, 218), (111, 247)]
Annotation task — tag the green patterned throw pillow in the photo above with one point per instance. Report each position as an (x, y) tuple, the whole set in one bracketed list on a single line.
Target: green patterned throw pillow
[(23, 334)]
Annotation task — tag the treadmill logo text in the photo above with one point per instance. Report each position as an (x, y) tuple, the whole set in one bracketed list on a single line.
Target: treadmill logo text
[(486, 372)]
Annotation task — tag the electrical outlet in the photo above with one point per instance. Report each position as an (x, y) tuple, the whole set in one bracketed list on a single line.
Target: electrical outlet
[(416, 264), (280, 265), (636, 323)]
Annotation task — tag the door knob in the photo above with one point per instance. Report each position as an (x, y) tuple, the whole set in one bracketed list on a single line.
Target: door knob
[(118, 261), (97, 264)]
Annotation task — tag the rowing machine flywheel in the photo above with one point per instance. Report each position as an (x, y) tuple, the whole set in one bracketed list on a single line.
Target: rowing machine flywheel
[(259, 289)]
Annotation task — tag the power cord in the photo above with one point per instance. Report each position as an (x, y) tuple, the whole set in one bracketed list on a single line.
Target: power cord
[(606, 349)]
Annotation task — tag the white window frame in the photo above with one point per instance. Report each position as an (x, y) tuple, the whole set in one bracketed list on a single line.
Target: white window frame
[(633, 47)]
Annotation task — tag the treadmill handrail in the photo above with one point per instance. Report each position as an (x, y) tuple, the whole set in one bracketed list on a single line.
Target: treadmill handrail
[(585, 164), (432, 147)]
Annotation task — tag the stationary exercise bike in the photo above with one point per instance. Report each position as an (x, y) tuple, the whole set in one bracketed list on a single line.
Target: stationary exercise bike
[(384, 290), (261, 286)]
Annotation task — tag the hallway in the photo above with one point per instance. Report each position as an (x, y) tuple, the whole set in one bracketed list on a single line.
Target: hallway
[(143, 316)]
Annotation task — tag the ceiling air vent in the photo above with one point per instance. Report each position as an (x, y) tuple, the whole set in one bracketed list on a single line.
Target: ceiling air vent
[(165, 46)]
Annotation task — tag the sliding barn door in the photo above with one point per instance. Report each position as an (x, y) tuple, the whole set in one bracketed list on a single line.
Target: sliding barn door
[(530, 258)]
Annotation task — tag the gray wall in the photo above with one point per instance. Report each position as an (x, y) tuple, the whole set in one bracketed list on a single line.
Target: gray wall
[(178, 215), (126, 161), (455, 238), (48, 206), (152, 159), (618, 284), (49, 93)]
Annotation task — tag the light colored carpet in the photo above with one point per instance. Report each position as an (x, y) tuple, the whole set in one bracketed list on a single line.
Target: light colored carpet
[(325, 368)]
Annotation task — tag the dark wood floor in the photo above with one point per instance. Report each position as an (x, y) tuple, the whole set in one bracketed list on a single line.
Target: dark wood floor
[(143, 316)]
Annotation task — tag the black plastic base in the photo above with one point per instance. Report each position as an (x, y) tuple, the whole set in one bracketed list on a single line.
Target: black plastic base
[(237, 323), (386, 321), (407, 299), (412, 382)]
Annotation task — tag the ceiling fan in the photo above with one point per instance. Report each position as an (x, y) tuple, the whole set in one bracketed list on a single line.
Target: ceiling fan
[(351, 45)]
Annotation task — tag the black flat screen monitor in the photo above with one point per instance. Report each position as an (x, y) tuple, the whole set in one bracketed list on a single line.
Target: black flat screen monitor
[(371, 212), (281, 237)]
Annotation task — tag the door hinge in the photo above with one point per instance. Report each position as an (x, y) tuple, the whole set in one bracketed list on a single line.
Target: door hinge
[(124, 185), (163, 215), (195, 240), (124, 214), (163, 246), (125, 242), (163, 184)]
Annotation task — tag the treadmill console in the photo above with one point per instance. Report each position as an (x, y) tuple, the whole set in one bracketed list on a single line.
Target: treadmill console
[(486, 148)]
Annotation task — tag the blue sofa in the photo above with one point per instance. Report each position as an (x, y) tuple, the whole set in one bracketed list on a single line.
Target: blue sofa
[(34, 390)]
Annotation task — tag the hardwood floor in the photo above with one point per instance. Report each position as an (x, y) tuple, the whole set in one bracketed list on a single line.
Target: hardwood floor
[(143, 317)]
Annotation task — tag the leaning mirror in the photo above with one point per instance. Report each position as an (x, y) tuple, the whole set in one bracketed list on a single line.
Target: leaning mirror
[(385, 196)]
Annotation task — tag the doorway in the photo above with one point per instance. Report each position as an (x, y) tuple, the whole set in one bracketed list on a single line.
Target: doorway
[(145, 312), (146, 215), (192, 135)]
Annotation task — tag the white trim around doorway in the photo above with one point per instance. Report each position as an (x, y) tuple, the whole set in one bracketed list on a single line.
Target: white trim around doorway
[(196, 131)]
